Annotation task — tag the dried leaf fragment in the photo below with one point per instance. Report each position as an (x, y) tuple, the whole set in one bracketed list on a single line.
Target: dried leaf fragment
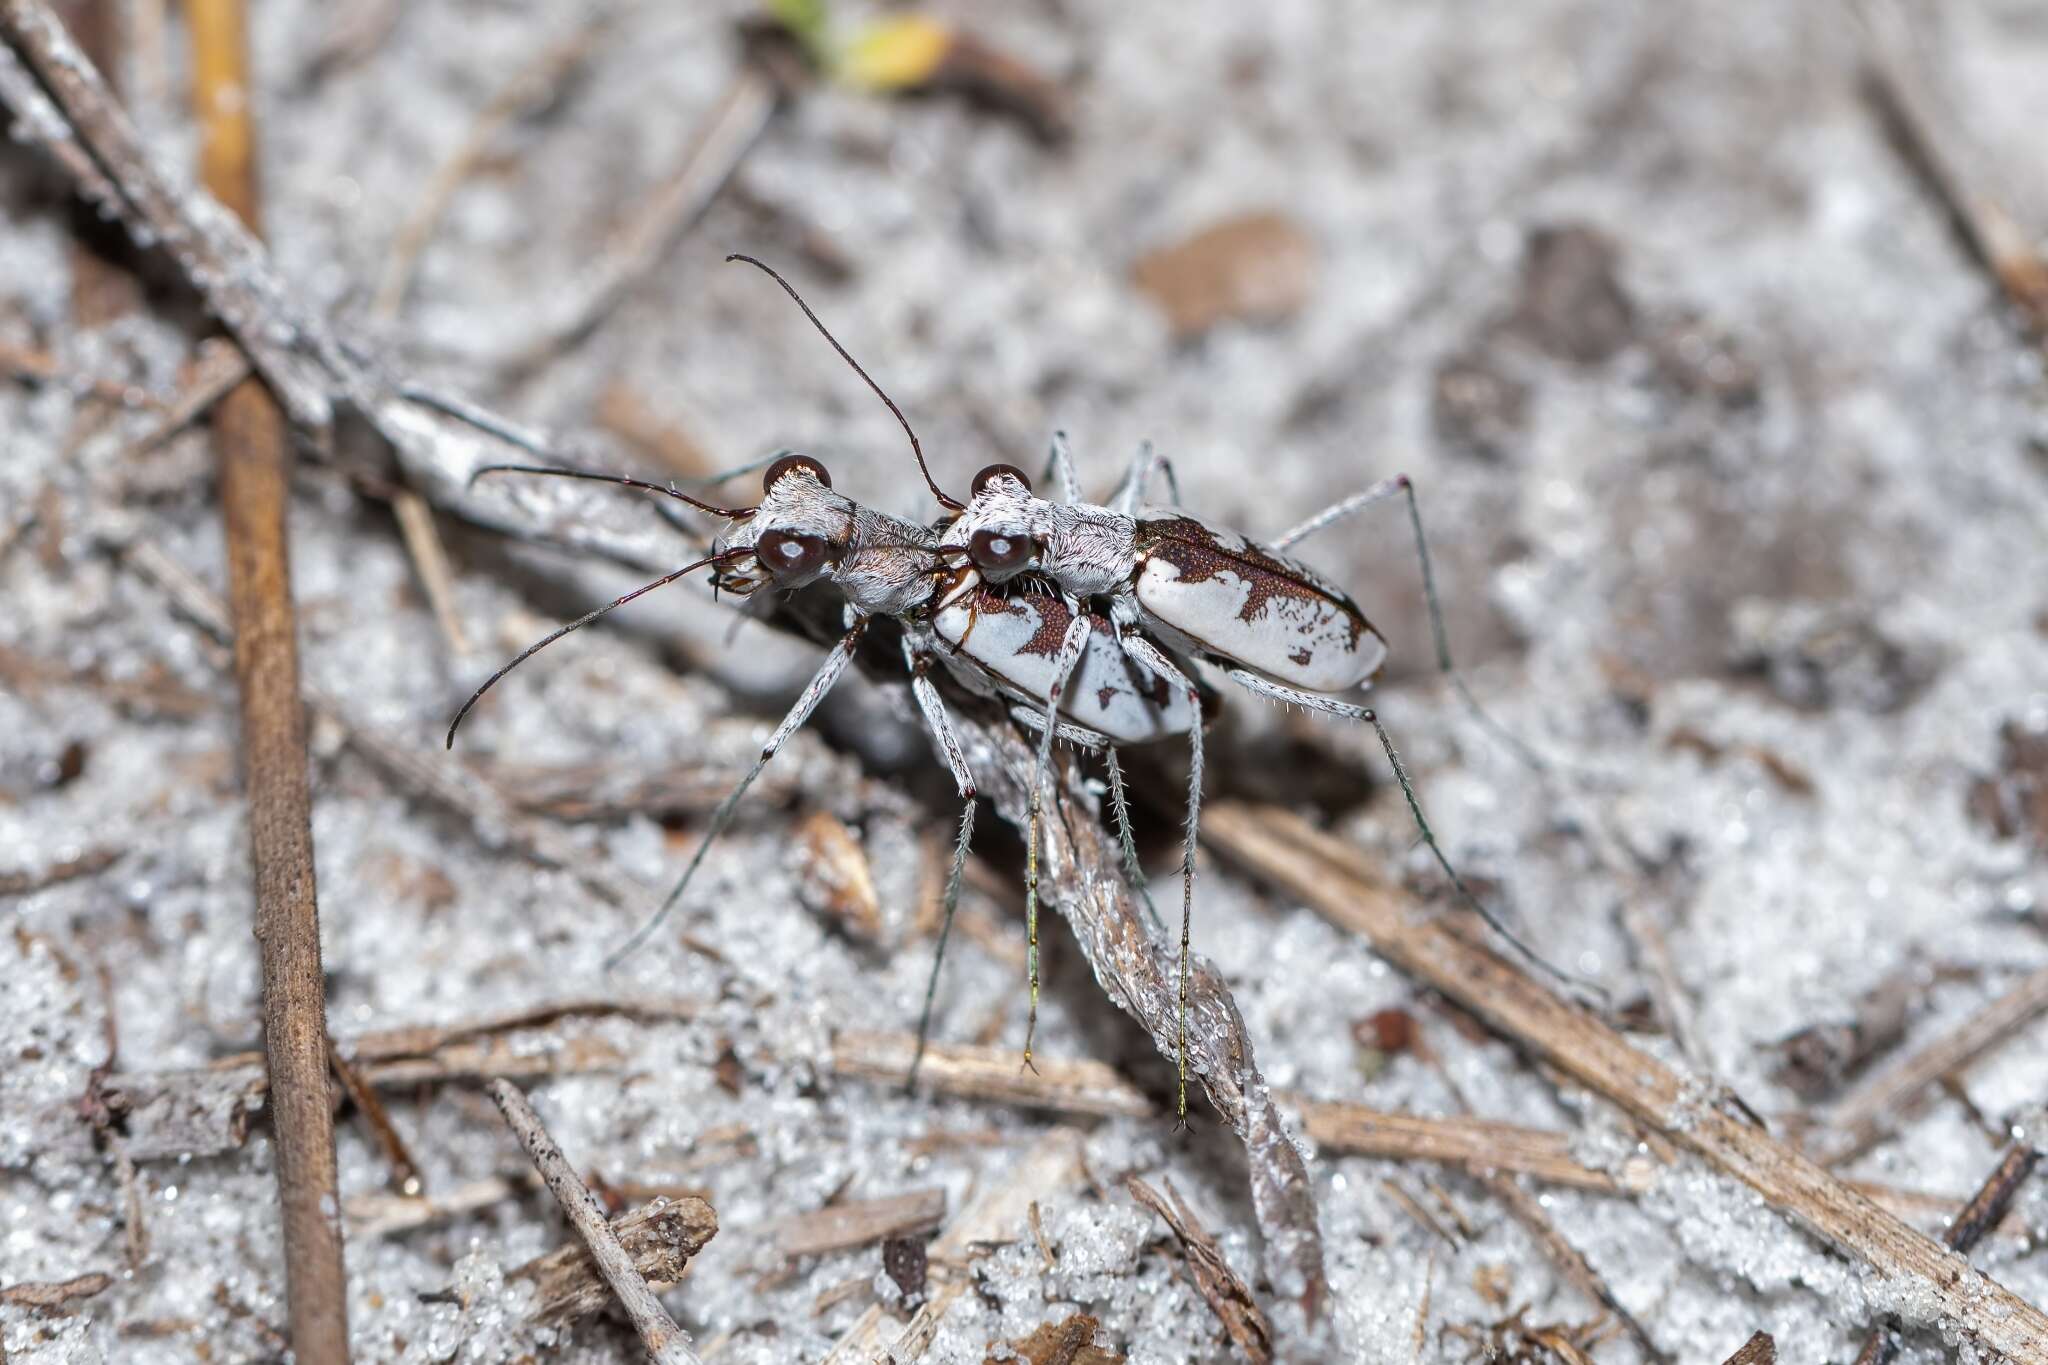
[(1255, 268), (1071, 1342)]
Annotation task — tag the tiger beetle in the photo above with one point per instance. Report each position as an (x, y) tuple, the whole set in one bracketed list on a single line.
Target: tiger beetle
[(997, 643), (1270, 623)]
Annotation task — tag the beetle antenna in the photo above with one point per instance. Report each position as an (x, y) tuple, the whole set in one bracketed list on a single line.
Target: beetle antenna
[(665, 490), (583, 620), (948, 502)]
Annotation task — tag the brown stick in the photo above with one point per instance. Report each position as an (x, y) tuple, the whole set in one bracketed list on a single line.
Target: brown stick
[(254, 464), (1337, 881), (667, 1344)]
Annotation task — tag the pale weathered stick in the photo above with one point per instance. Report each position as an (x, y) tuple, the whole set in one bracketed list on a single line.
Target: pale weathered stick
[(666, 1343), (1084, 874), (1338, 882), (1077, 1086)]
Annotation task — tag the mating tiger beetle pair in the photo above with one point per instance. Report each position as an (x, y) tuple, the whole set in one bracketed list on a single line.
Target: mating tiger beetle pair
[(1086, 621)]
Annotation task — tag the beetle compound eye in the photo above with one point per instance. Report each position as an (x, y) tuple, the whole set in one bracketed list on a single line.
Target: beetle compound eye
[(788, 555), (1000, 550), (789, 462), (997, 471)]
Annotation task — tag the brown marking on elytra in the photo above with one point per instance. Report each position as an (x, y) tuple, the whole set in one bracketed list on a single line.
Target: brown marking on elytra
[(1301, 656), (1053, 618), (1103, 695), (1193, 549)]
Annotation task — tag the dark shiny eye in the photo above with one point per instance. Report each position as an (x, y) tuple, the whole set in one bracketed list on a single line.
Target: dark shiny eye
[(789, 462), (998, 550), (996, 471), (788, 555)]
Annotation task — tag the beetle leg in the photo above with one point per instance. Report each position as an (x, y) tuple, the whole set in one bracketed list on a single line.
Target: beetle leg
[(813, 693), (1072, 646), (920, 659), (1330, 706), (1059, 464)]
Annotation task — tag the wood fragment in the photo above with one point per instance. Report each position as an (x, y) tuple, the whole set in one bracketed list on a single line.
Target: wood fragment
[(1985, 1210), (1760, 1349), (1419, 1215), (660, 1238), (1339, 883), (667, 1344), (56, 1295), (623, 412), (1051, 1166), (1526, 1210), (254, 459), (1062, 1085), (1875, 1109), (860, 1222), (1227, 1295), (28, 881), (402, 1173)]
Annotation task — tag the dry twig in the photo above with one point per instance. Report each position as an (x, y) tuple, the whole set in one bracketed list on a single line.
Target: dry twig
[(1336, 880), (667, 1344), (1221, 1287)]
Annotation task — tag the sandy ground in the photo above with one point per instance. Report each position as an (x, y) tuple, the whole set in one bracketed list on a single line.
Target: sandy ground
[(1735, 470)]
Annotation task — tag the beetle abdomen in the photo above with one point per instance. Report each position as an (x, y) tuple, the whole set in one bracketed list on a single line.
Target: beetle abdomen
[(1236, 600), (1015, 639)]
